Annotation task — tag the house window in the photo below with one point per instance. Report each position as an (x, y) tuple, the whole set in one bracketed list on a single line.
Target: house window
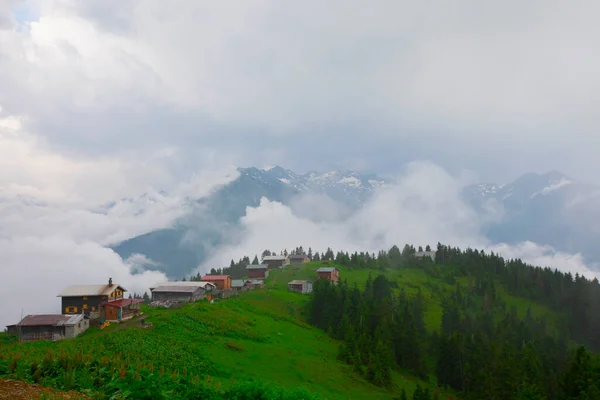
[(112, 295), (85, 297), (93, 308), (85, 306), (71, 309)]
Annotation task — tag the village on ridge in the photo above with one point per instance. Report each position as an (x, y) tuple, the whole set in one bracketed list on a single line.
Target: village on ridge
[(102, 304)]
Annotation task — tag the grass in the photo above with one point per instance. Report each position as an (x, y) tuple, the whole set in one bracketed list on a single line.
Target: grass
[(261, 335)]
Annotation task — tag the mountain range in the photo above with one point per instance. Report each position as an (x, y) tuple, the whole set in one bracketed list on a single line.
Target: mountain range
[(548, 209)]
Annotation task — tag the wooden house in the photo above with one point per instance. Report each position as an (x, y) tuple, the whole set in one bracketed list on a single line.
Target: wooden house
[(296, 259), (181, 291), (122, 310), (90, 299), (302, 287), (257, 271), (258, 283), (222, 282), (241, 285), (330, 273), (275, 262), (49, 327)]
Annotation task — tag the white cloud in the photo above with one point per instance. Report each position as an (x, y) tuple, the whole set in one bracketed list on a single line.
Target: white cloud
[(57, 214), (424, 207), (474, 78)]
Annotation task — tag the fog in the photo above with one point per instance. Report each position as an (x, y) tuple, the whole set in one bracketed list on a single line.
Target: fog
[(423, 208)]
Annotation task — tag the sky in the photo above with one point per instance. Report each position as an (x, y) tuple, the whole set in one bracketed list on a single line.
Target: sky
[(104, 101)]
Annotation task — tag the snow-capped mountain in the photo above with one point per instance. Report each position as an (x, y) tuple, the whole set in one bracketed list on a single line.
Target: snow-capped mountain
[(550, 209), (214, 220), (348, 187)]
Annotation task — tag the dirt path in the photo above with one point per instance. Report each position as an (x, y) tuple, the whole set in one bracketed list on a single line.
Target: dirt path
[(17, 390)]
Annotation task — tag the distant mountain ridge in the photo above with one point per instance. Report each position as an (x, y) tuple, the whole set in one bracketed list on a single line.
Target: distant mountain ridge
[(548, 209), (213, 220), (551, 209)]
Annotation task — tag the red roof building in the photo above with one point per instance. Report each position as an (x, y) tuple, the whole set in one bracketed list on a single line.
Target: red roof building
[(123, 309), (222, 282)]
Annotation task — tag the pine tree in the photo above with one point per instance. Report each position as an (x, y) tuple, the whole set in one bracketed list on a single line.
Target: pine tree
[(255, 260)]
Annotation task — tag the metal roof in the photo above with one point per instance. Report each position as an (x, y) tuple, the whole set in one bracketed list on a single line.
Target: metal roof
[(297, 282), (123, 302), (215, 277), (274, 258), (238, 282), (257, 281), (176, 288), (327, 269), (89, 290), (50, 320), (257, 266), (201, 284), (299, 256)]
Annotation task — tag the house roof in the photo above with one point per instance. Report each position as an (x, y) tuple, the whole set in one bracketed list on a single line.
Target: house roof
[(256, 266), (327, 269), (123, 302), (274, 258), (238, 282), (298, 256), (89, 290), (50, 320), (215, 277), (257, 281), (186, 283), (297, 282), (174, 288)]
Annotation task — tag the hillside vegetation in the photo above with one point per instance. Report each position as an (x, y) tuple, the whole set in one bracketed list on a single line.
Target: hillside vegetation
[(259, 341), (274, 344)]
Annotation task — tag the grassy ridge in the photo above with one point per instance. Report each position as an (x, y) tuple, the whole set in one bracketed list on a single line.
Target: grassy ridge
[(259, 336), (431, 284)]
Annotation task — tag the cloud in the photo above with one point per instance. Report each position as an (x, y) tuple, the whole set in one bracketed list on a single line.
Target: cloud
[(260, 83), (423, 208), (57, 214)]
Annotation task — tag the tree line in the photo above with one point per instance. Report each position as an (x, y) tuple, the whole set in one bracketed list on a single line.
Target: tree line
[(482, 348)]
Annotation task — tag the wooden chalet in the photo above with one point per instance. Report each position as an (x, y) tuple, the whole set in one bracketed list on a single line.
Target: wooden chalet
[(181, 291), (90, 300), (296, 259), (302, 287), (241, 285), (275, 262), (257, 271), (49, 327), (222, 282), (332, 274)]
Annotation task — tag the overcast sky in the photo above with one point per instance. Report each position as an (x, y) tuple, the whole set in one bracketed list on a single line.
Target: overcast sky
[(500, 88), (102, 100)]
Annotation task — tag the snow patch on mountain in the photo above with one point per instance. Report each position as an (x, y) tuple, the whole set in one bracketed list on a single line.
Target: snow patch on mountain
[(552, 187)]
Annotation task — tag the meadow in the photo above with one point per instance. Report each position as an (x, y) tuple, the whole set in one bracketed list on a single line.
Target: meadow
[(256, 344)]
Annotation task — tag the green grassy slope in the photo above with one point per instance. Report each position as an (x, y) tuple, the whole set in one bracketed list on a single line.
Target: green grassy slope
[(261, 335), (413, 280)]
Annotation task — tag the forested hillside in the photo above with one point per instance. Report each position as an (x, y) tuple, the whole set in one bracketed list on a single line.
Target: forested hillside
[(465, 325), (480, 346)]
